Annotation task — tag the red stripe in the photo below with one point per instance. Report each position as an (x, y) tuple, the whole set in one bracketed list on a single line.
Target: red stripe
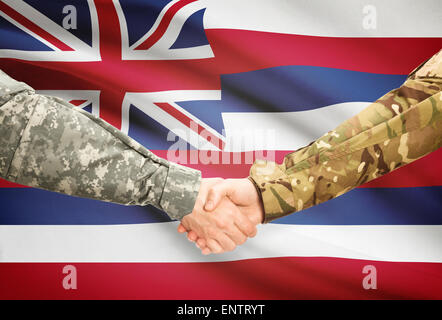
[(77, 102), (188, 122), (270, 278), (8, 184), (235, 51), (33, 27), (162, 27), (243, 50), (424, 172)]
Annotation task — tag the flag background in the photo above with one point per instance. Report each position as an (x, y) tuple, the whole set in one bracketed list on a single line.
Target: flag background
[(150, 68)]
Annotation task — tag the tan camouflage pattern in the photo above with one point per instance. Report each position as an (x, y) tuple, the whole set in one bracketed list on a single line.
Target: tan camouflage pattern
[(399, 128), (48, 143)]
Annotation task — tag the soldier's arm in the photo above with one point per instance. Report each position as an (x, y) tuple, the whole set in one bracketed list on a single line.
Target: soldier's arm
[(47, 143), (399, 128)]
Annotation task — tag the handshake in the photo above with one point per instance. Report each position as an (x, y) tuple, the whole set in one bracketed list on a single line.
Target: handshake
[(225, 214)]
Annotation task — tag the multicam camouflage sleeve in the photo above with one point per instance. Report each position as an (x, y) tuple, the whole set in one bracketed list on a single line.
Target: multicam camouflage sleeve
[(47, 143), (399, 128)]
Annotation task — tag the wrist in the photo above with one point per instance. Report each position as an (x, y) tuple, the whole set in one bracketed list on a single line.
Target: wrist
[(258, 214), (180, 191)]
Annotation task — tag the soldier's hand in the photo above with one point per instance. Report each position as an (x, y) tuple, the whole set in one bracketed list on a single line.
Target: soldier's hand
[(220, 230), (243, 194)]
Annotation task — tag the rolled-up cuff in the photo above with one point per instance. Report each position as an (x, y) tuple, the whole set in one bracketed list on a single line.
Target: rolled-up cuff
[(180, 191)]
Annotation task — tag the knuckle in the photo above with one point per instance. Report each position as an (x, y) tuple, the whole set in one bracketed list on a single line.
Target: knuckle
[(220, 250), (193, 235), (250, 230), (230, 247), (249, 227), (254, 232), (242, 240), (221, 223), (214, 247), (212, 191)]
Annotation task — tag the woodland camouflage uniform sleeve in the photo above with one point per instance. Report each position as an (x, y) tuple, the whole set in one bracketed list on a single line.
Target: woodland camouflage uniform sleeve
[(48, 143), (399, 128)]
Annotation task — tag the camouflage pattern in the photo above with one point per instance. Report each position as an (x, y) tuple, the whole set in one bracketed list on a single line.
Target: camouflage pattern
[(48, 143), (399, 128)]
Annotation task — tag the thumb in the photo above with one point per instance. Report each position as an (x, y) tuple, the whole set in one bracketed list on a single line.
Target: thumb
[(215, 194)]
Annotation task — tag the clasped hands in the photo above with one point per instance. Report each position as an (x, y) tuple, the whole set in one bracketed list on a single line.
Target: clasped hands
[(225, 214)]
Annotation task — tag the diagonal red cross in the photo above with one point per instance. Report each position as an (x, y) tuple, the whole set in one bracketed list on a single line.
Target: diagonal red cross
[(113, 76)]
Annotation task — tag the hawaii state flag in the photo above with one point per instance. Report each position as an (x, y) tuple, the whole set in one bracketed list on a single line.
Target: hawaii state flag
[(208, 75)]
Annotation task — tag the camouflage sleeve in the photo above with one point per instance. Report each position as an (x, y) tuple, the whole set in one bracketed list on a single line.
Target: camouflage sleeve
[(399, 128), (47, 143)]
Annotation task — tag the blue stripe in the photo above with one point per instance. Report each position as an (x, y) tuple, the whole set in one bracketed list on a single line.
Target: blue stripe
[(376, 206), (28, 206), (379, 206), (291, 88), (278, 89)]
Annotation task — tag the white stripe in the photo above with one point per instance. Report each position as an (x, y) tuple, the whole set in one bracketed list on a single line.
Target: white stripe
[(338, 18), (284, 130), (159, 242)]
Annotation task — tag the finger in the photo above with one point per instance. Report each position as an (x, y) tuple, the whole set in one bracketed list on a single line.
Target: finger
[(242, 223), (236, 235), (206, 184), (181, 228), (205, 248), (245, 225), (228, 225), (206, 251), (192, 236), (214, 246), (216, 193), (201, 243), (225, 242)]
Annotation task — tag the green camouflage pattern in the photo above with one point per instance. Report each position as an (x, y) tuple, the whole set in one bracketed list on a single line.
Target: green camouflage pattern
[(48, 143), (399, 128)]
